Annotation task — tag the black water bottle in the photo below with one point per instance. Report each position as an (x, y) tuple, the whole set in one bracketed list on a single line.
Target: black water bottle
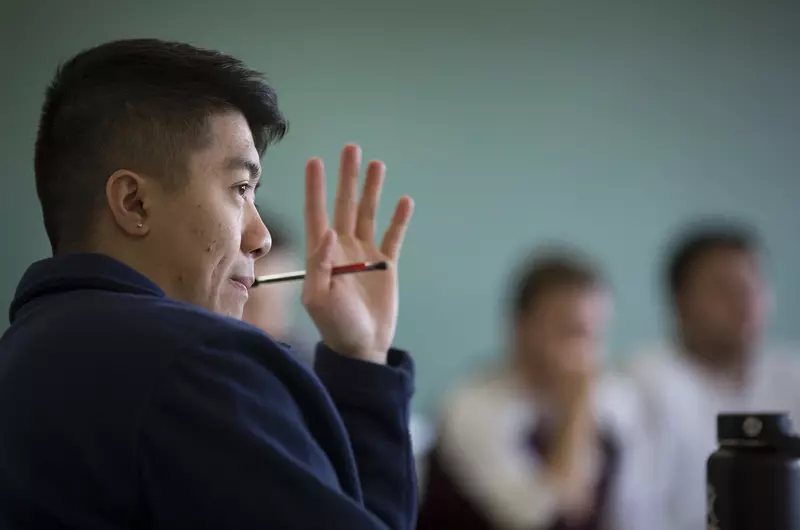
[(753, 478)]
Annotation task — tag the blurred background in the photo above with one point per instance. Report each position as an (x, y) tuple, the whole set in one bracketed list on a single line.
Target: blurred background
[(604, 124)]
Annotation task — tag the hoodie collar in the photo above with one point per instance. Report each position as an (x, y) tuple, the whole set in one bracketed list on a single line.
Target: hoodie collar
[(72, 272)]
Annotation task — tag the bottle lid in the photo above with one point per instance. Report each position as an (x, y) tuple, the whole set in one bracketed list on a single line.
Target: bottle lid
[(760, 428)]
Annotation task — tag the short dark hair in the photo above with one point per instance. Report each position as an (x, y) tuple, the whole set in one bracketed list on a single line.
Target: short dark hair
[(546, 271), (282, 238), (695, 243), (140, 104)]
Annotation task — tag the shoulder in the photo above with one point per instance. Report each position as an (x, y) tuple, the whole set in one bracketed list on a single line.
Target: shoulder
[(657, 380), (780, 364), (163, 325), (222, 368), (782, 356), (650, 364), (616, 401), (225, 348), (487, 390), (482, 405), (139, 337)]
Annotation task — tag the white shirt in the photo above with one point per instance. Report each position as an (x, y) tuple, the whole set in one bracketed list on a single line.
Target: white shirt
[(422, 439), (676, 430), (482, 446)]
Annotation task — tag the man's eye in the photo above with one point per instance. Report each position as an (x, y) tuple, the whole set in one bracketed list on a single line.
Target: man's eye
[(244, 189)]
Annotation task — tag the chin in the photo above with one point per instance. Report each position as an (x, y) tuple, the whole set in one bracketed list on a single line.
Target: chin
[(230, 308), (234, 312), (231, 303), (742, 346)]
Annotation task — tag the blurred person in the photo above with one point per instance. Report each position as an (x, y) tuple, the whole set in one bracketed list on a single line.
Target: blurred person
[(715, 363), (271, 307), (530, 446), (131, 393)]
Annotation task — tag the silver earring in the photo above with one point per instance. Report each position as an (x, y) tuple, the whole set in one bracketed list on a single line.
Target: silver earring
[(140, 225)]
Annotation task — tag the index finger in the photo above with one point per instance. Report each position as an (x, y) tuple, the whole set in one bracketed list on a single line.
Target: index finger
[(316, 212)]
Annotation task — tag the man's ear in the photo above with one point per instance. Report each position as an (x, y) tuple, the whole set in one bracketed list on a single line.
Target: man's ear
[(127, 195)]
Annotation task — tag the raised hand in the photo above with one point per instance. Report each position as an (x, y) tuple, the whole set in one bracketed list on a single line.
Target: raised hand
[(356, 314), (574, 363)]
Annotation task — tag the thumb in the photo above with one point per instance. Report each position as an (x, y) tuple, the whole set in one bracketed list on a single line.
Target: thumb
[(318, 270)]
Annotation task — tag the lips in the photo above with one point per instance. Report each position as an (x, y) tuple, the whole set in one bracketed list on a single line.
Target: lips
[(244, 281)]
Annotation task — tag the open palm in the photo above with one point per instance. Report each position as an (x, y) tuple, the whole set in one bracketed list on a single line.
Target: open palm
[(356, 314)]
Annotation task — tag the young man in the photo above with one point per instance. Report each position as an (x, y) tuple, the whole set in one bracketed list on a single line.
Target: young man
[(528, 447), (127, 399), (715, 363)]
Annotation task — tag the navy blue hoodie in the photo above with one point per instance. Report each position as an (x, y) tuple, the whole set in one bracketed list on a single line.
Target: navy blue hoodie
[(122, 408)]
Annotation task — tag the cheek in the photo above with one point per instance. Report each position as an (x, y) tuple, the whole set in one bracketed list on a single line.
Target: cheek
[(219, 241), (533, 344), (596, 326)]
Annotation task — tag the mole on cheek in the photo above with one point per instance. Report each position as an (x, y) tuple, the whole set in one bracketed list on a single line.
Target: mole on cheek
[(211, 246)]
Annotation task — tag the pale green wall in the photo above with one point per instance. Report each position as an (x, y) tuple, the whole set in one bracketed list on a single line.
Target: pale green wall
[(600, 122)]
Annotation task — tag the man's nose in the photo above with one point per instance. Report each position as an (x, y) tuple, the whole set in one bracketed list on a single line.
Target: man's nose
[(256, 239)]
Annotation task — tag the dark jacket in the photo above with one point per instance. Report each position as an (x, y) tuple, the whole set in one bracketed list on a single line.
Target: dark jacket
[(121, 408)]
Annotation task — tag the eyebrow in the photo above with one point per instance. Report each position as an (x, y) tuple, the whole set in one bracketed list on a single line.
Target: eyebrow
[(238, 163)]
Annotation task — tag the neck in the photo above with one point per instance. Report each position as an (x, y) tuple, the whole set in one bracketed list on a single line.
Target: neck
[(135, 257), (532, 383), (728, 364)]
